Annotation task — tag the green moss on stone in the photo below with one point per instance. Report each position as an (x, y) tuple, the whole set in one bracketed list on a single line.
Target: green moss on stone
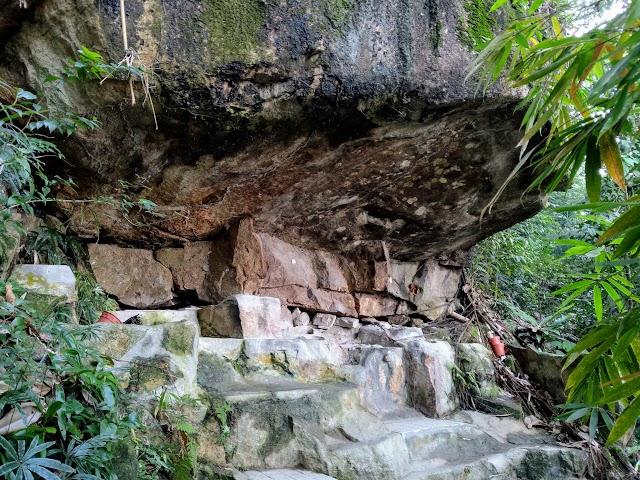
[(233, 27), (479, 25), (337, 11), (436, 34), (149, 374), (125, 460), (178, 338)]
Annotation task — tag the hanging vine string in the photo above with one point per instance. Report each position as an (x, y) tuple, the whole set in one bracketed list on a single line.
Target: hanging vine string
[(128, 56), (142, 72)]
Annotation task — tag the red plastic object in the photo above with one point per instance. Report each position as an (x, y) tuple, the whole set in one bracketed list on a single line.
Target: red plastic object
[(108, 317), (497, 346)]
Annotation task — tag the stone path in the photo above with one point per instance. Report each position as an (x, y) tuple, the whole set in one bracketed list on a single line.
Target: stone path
[(285, 474)]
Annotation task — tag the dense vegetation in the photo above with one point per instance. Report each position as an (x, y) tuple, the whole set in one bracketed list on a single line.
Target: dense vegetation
[(585, 86), (64, 410)]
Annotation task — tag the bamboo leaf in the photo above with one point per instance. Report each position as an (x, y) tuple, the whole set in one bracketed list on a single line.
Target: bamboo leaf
[(497, 5), (626, 421), (588, 364), (621, 391), (535, 5), (595, 337), (573, 286), (630, 241), (610, 156), (629, 219), (597, 302)]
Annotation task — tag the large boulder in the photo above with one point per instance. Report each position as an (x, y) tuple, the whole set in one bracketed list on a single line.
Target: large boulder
[(153, 358), (132, 275)]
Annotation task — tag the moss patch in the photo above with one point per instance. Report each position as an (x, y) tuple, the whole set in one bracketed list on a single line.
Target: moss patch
[(479, 25), (337, 11), (178, 338), (149, 374), (233, 27)]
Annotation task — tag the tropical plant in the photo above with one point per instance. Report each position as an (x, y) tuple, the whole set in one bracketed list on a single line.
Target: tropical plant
[(61, 404), (581, 105), (167, 445), (92, 300), (61, 396)]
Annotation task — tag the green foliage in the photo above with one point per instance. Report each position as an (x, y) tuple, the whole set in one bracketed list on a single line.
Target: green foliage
[(61, 397), (584, 93), (92, 300), (21, 464), (23, 148), (167, 446), (222, 411), (521, 268), (48, 245), (65, 393), (479, 25), (585, 87)]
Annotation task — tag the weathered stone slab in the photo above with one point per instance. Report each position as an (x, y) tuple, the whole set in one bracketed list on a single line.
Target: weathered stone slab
[(153, 357), (244, 316), (347, 322), (544, 369), (430, 385), (132, 275), (220, 320), (388, 337), (190, 267), (300, 319), (369, 305), (324, 321), (380, 377), (158, 317), (431, 285), (290, 265), (281, 474), (314, 299), (52, 280)]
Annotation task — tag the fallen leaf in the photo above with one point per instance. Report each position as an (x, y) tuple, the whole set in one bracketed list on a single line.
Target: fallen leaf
[(533, 421), (14, 420), (8, 293)]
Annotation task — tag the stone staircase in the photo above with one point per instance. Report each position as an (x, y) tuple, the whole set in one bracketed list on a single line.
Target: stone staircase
[(375, 402)]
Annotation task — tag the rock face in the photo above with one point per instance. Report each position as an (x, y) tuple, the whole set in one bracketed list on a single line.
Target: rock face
[(241, 261), (337, 125), (154, 357), (132, 275), (244, 316)]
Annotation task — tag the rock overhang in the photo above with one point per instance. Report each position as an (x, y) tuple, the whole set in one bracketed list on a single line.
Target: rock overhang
[(343, 126)]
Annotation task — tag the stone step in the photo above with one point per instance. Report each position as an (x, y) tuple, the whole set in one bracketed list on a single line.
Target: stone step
[(282, 474), (420, 448), (530, 463), (428, 438)]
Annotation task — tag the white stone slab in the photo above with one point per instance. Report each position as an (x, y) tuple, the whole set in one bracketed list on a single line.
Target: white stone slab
[(54, 280), (285, 474)]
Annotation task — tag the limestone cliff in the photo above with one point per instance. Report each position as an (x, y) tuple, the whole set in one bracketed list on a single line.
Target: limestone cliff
[(335, 124)]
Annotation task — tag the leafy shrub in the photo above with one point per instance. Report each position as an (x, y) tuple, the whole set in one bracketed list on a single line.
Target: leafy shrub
[(65, 394), (92, 300)]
